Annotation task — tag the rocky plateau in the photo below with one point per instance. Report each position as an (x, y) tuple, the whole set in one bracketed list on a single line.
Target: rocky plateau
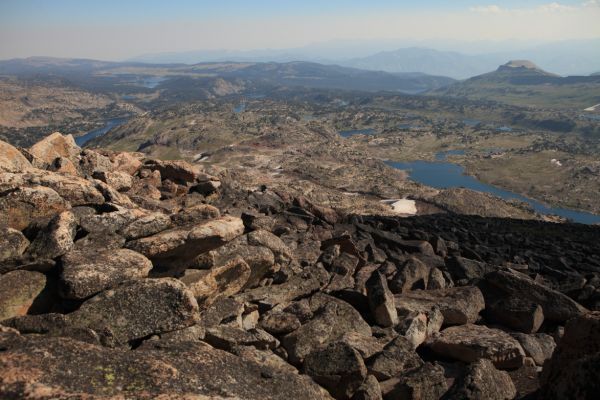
[(128, 277)]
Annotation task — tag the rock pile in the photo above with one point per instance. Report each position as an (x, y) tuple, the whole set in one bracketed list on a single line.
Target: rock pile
[(126, 277)]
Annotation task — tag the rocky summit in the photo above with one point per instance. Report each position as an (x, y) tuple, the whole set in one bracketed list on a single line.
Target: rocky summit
[(124, 277)]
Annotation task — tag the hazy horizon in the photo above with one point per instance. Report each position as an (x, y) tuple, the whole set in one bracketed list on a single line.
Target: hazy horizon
[(122, 30)]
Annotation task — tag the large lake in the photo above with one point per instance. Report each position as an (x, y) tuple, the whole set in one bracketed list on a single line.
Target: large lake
[(109, 124), (444, 175)]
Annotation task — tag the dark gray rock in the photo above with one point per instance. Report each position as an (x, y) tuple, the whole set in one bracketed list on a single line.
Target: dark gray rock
[(333, 318), (556, 306), (381, 301), (176, 370), (424, 383), (481, 380), (86, 273), (338, 368), (397, 357), (136, 310)]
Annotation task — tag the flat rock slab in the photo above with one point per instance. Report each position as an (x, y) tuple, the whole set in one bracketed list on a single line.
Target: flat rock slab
[(73, 369), (136, 310), (87, 273), (459, 305), (470, 343), (556, 306)]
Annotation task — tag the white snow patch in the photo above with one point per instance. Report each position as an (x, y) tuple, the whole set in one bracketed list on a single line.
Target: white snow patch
[(403, 206)]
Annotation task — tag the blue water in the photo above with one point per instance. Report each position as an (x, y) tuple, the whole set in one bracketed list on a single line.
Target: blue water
[(504, 129), (471, 122), (445, 175), (353, 132), (152, 81), (110, 124), (240, 108)]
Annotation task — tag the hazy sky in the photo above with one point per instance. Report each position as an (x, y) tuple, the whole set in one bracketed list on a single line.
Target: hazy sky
[(119, 29)]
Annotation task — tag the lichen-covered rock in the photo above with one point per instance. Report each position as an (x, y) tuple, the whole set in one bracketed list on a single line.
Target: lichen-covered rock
[(338, 368), (126, 162), (573, 371), (183, 370), (86, 273), (369, 390), (179, 247), (22, 292), (195, 214), (459, 305), (261, 250), (279, 323), (177, 171), (539, 346), (54, 146), (24, 205), (12, 244), (12, 160), (309, 281), (136, 310), (424, 383), (469, 343), (56, 239), (413, 274), (516, 313), (333, 318), (146, 226), (481, 380), (77, 191), (120, 181), (223, 280), (397, 357), (227, 337)]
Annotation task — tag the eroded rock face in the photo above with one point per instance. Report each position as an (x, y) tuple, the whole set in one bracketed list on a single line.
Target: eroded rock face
[(469, 343), (170, 372), (85, 273), (138, 309)]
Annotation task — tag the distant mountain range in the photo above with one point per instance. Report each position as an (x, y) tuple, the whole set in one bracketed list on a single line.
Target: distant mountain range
[(521, 82), (302, 74), (575, 57)]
